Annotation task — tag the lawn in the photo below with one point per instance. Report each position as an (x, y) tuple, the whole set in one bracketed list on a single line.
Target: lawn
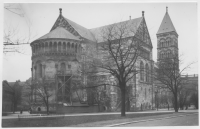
[(69, 120)]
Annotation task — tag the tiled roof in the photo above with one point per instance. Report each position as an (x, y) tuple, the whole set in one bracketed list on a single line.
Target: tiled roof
[(166, 25), (59, 32), (81, 30), (133, 24)]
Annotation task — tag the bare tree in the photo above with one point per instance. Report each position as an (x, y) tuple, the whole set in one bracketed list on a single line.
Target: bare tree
[(17, 95), (194, 99), (119, 52), (12, 39), (183, 98), (27, 94), (43, 89), (169, 75)]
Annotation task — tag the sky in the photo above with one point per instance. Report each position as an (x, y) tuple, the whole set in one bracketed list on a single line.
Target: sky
[(41, 17)]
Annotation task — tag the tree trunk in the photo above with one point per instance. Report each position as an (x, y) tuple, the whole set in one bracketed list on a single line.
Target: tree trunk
[(123, 113), (98, 106), (47, 106), (175, 103), (168, 106)]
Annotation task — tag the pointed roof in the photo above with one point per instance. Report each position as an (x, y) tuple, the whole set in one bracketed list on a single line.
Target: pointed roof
[(166, 25), (82, 31), (133, 23), (60, 33)]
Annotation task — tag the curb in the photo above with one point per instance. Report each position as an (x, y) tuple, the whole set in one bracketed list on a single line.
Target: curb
[(148, 120)]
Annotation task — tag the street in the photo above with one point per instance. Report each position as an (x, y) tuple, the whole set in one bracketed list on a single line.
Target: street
[(183, 120)]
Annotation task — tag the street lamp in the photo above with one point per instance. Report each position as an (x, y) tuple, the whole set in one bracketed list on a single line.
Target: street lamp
[(156, 99)]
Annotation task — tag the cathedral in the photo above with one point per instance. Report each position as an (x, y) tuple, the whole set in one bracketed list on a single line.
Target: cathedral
[(58, 57)]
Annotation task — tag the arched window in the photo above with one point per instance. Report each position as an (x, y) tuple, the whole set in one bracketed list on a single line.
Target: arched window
[(64, 47), (63, 67), (68, 46), (50, 47), (168, 54), (72, 49), (69, 66), (59, 47), (55, 47), (147, 72), (162, 55), (76, 48), (141, 71), (39, 70)]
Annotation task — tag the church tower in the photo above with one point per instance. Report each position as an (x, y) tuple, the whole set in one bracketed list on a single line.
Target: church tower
[(167, 39)]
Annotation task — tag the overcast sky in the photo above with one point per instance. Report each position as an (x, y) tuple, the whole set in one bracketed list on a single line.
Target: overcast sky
[(43, 16)]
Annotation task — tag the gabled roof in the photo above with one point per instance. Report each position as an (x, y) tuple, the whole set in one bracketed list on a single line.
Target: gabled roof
[(85, 33), (166, 25), (133, 24), (59, 32)]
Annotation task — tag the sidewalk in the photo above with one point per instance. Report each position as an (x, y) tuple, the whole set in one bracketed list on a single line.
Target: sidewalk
[(85, 119), (118, 122), (15, 115)]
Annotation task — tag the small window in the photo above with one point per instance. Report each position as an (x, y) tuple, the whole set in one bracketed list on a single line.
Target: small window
[(69, 66), (141, 71), (63, 67)]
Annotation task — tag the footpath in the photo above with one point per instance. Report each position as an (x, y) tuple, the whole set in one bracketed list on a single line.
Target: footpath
[(159, 115), (26, 113), (85, 119)]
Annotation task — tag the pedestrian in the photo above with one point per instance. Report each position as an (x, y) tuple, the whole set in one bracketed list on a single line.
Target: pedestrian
[(21, 111), (30, 110)]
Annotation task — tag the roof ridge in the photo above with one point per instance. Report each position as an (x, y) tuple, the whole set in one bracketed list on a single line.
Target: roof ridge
[(116, 23)]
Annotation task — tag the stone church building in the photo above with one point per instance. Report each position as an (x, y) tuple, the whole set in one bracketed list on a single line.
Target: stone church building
[(59, 56)]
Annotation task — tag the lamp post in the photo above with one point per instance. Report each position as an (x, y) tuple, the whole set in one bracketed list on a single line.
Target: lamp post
[(156, 97)]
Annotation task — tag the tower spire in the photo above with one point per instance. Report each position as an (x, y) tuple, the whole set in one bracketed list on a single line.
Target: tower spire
[(166, 25), (60, 11)]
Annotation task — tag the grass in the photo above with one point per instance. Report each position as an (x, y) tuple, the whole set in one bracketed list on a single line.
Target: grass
[(69, 120)]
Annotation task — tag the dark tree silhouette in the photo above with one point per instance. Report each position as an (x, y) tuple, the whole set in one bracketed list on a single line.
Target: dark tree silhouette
[(17, 95), (119, 52), (168, 73), (43, 89)]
